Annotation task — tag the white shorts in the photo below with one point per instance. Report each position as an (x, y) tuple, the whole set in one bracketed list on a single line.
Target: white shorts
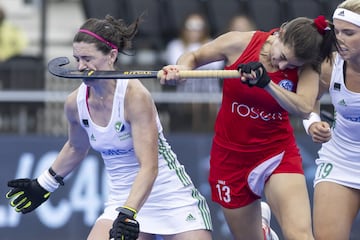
[(171, 208), (339, 162)]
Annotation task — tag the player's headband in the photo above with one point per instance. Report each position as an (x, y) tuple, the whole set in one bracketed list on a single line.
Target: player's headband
[(113, 46), (347, 15)]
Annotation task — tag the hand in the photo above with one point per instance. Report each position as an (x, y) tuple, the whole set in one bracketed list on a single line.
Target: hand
[(258, 75), (26, 194), (320, 132), (125, 227), (170, 75)]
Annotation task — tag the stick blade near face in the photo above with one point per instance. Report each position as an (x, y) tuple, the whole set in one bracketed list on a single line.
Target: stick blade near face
[(55, 66)]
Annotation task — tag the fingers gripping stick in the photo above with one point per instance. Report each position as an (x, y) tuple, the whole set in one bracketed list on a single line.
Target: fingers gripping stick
[(57, 67), (125, 227), (261, 80)]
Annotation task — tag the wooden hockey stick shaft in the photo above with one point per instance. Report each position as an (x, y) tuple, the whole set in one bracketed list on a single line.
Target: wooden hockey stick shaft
[(206, 74)]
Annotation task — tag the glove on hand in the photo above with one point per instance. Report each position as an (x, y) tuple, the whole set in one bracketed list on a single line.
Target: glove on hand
[(125, 227), (26, 195), (262, 79)]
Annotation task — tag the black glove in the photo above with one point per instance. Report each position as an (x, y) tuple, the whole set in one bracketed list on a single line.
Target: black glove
[(262, 79), (125, 227), (26, 195)]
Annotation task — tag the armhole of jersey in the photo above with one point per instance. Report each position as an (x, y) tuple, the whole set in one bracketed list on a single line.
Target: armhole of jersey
[(87, 97), (344, 72)]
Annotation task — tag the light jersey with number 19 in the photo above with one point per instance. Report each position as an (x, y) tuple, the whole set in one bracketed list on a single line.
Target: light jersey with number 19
[(173, 199), (339, 158)]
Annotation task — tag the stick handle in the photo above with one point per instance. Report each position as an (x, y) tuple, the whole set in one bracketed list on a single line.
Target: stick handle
[(206, 74)]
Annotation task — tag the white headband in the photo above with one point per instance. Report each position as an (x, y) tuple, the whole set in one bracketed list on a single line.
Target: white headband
[(347, 15)]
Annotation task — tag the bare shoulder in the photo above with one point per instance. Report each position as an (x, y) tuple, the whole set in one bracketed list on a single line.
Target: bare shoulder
[(70, 106), (235, 39), (137, 98), (136, 90)]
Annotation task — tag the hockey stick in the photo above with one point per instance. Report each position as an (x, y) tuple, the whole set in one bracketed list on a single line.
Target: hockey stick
[(327, 116), (57, 67)]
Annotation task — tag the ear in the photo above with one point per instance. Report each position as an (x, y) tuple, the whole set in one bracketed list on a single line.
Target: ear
[(113, 55)]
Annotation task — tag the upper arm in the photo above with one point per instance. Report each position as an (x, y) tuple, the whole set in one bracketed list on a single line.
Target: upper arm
[(141, 113), (78, 137), (325, 78), (312, 85), (77, 145), (227, 47), (308, 85)]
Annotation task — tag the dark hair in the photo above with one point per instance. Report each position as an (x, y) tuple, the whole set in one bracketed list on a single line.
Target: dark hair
[(112, 30), (309, 44)]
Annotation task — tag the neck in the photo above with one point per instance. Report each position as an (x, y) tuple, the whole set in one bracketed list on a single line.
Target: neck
[(104, 90), (354, 66)]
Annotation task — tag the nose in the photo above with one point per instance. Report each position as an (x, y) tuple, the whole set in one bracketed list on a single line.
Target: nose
[(81, 65), (282, 65), (339, 38)]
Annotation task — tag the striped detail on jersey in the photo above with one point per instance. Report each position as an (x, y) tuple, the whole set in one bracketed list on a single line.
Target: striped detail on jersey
[(171, 160), (203, 207)]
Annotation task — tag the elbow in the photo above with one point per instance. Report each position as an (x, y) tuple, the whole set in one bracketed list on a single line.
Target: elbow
[(155, 172), (305, 115), (306, 111)]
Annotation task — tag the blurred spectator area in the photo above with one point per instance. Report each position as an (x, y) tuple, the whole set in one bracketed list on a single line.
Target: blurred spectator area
[(32, 100)]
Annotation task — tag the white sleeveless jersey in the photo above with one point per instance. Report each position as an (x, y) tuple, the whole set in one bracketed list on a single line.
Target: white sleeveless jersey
[(347, 106), (339, 158), (173, 189)]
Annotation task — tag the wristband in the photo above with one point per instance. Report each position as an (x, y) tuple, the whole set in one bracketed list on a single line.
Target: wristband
[(58, 178), (47, 181), (314, 117), (127, 210)]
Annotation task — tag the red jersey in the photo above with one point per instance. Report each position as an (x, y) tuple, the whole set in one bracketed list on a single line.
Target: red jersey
[(250, 119)]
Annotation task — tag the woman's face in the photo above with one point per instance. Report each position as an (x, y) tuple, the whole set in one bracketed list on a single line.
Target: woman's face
[(348, 36), (282, 56), (89, 58)]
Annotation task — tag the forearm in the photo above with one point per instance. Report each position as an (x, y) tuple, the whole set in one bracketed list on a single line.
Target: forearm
[(141, 188), (68, 159), (299, 105), (188, 60)]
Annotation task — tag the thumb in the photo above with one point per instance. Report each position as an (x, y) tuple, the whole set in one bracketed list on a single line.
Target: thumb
[(325, 127)]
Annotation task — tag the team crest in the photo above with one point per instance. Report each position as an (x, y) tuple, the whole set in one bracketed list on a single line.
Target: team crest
[(119, 127), (287, 84)]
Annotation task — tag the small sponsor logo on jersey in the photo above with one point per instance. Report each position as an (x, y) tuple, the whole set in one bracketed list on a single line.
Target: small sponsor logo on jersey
[(352, 118), (92, 138), (114, 152), (287, 84), (337, 86), (85, 122), (119, 127), (342, 103), (190, 218)]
